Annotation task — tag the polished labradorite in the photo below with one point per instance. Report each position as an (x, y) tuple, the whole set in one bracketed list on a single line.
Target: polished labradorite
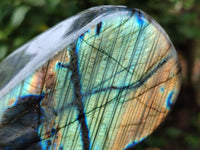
[(103, 79)]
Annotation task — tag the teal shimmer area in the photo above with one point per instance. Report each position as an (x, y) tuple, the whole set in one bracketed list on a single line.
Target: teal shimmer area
[(162, 89), (132, 145), (169, 100), (140, 18)]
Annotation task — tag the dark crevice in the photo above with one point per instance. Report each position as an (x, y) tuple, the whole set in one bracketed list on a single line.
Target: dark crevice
[(98, 28)]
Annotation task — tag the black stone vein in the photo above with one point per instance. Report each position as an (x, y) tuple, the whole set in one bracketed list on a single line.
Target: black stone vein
[(75, 77)]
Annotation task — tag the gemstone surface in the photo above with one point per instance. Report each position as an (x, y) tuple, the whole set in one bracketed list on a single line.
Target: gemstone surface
[(103, 79)]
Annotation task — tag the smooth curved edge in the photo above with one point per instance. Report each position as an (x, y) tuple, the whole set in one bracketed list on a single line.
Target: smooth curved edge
[(42, 49)]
